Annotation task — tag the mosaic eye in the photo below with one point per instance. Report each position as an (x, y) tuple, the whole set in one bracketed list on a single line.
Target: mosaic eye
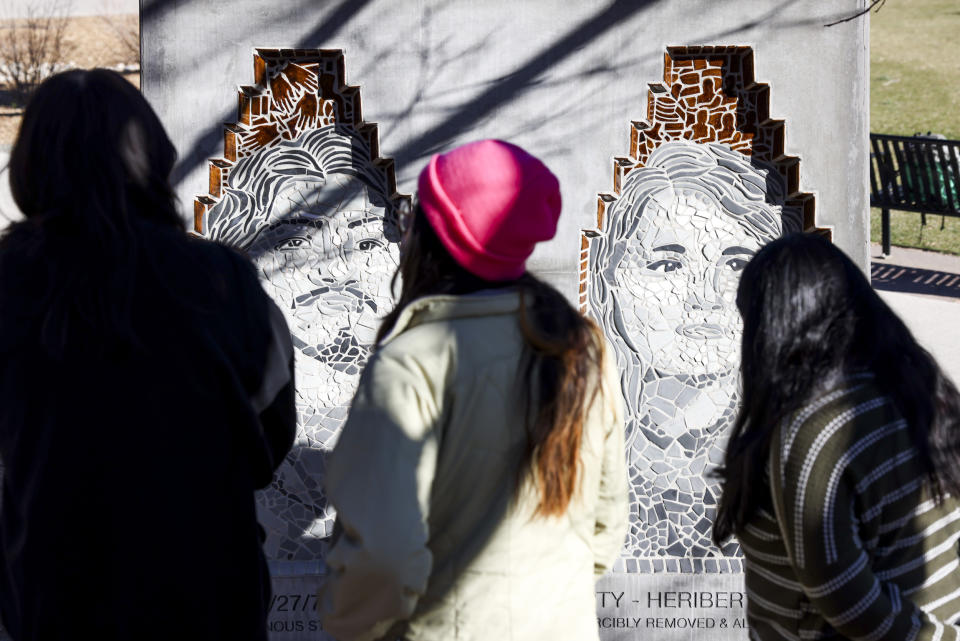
[(369, 245), (289, 244), (665, 265), (736, 264)]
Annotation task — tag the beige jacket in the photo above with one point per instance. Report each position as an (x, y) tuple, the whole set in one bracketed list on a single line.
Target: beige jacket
[(434, 545)]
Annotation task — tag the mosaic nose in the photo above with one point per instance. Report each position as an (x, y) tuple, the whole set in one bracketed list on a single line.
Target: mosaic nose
[(703, 296)]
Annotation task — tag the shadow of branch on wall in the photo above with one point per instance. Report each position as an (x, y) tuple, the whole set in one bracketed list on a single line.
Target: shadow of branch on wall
[(506, 89), (434, 57), (511, 87), (209, 142)]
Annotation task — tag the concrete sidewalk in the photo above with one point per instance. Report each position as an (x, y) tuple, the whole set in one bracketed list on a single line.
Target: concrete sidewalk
[(923, 288)]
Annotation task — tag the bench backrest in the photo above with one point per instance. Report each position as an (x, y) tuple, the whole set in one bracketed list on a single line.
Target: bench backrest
[(915, 174)]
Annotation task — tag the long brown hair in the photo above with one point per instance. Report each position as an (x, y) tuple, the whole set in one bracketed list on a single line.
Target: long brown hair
[(563, 360)]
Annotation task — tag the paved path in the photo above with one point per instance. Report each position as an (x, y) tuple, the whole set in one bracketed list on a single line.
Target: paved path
[(923, 288), (935, 323), (915, 271)]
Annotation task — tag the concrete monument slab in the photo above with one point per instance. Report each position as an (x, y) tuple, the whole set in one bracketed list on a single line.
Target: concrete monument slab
[(710, 173)]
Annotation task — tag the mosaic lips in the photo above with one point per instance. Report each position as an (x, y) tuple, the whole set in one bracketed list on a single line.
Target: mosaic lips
[(702, 331), (344, 352)]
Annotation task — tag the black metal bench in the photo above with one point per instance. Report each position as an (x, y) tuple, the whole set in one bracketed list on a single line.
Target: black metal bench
[(914, 173)]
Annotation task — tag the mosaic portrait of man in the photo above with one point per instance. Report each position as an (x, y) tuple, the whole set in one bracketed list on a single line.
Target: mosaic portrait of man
[(314, 215)]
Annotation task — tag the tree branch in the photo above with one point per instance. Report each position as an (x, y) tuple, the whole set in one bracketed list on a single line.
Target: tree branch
[(875, 3)]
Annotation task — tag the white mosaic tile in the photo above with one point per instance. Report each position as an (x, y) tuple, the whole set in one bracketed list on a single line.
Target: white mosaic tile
[(662, 281), (314, 216)]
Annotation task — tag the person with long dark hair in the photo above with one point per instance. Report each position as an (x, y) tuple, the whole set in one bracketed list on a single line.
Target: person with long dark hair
[(479, 481), (842, 472), (146, 388)]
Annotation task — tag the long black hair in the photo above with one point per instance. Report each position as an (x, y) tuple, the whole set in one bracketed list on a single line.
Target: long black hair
[(810, 317), (89, 171), (563, 364)]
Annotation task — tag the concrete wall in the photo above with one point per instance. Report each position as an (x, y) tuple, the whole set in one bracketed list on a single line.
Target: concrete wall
[(563, 80)]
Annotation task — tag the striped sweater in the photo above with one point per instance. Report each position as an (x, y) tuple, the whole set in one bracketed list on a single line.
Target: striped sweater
[(861, 551)]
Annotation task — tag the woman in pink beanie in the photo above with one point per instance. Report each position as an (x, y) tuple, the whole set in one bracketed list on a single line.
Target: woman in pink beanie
[(479, 481)]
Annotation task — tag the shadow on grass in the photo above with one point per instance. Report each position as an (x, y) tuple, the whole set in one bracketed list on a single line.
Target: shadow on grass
[(913, 280), (11, 102)]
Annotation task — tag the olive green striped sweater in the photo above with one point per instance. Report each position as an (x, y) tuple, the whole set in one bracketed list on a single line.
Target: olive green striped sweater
[(860, 549)]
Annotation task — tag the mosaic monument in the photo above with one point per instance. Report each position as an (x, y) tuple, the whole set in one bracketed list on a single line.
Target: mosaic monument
[(302, 190), (706, 184)]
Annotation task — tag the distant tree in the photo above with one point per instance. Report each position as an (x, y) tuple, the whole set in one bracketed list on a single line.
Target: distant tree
[(33, 45), (127, 33)]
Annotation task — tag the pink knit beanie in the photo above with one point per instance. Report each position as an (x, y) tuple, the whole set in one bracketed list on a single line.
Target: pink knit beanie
[(490, 202)]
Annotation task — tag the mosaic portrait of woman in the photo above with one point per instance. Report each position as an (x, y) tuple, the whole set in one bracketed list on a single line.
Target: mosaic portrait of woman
[(314, 216), (662, 280)]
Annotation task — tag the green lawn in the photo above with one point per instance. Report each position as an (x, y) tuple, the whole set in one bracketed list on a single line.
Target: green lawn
[(915, 87), (906, 231)]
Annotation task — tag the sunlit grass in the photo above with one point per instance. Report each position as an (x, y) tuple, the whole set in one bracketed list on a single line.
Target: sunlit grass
[(906, 230), (915, 88)]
